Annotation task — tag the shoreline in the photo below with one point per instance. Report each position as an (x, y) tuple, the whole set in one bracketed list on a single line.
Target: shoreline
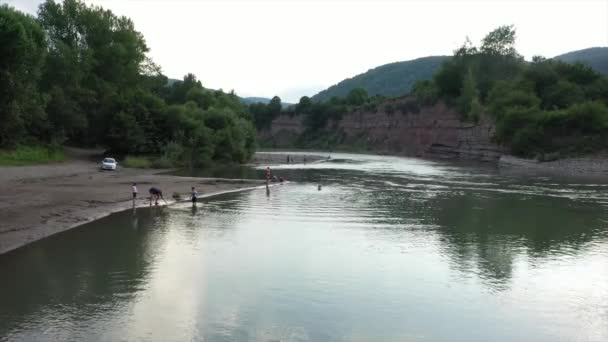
[(39, 201), (120, 207), (43, 200), (581, 166)]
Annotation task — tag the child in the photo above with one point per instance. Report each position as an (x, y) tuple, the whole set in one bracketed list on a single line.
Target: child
[(134, 187), (194, 194)]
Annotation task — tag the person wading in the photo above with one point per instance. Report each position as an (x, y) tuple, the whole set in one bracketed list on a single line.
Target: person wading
[(193, 196)]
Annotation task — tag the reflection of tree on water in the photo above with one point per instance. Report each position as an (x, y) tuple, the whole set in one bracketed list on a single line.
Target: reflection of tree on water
[(491, 231), (81, 272), (484, 232)]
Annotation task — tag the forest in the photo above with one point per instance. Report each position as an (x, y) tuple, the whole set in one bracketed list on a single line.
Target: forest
[(545, 108), (79, 75)]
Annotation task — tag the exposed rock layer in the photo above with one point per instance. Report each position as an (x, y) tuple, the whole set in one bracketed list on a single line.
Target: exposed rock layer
[(433, 131)]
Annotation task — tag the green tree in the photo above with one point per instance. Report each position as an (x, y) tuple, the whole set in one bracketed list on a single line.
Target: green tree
[(81, 73), (500, 41), (304, 105), (468, 96), (426, 92), (274, 107), (22, 51), (357, 97)]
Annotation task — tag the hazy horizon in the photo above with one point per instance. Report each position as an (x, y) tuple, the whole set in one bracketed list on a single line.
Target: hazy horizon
[(295, 48)]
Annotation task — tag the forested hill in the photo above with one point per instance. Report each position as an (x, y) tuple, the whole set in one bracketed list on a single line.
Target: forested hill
[(392, 79), (544, 109), (397, 78), (596, 57)]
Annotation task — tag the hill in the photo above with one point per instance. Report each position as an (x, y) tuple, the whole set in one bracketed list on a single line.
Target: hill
[(392, 79), (264, 100), (397, 78), (596, 57)]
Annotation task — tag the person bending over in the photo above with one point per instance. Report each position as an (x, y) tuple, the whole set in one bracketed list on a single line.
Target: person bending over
[(155, 194)]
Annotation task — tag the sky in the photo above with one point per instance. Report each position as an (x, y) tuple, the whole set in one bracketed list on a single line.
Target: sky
[(293, 48)]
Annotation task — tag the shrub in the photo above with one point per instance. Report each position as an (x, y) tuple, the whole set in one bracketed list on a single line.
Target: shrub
[(162, 163), (137, 162), (409, 107), (426, 92)]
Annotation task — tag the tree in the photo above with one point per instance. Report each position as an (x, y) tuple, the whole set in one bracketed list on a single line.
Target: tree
[(357, 97), (304, 105), (125, 134), (81, 73), (500, 41), (468, 96), (274, 107), (22, 54), (426, 92), (449, 79)]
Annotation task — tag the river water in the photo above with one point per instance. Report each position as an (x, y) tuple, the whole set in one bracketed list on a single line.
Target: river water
[(391, 249)]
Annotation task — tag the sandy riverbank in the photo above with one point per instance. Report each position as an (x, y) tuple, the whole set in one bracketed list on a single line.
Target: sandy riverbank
[(39, 201)]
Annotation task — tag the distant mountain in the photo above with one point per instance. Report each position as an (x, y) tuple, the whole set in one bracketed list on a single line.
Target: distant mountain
[(396, 79), (596, 57), (245, 100), (250, 100), (392, 79), (170, 81)]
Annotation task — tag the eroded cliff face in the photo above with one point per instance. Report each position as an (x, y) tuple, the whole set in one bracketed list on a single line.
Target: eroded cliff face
[(433, 131)]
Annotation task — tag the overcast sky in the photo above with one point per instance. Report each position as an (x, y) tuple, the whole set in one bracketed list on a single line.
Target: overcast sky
[(293, 48)]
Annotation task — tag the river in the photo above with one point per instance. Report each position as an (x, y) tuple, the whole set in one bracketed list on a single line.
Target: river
[(390, 249)]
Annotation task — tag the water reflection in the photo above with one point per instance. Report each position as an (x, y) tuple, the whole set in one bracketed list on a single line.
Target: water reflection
[(61, 273), (389, 250), (488, 233)]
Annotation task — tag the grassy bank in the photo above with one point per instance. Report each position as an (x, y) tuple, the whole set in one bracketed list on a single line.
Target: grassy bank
[(149, 162), (31, 155)]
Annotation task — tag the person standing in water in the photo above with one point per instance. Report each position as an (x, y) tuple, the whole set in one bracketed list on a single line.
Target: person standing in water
[(193, 196), (268, 174), (134, 189)]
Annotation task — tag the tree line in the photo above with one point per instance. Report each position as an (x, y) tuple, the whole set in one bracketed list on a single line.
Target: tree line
[(80, 75), (544, 108)]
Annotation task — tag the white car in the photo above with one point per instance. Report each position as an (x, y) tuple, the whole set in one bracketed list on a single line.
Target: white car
[(109, 164)]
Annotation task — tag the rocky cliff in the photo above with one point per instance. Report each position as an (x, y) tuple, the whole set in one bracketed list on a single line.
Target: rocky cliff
[(401, 127)]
